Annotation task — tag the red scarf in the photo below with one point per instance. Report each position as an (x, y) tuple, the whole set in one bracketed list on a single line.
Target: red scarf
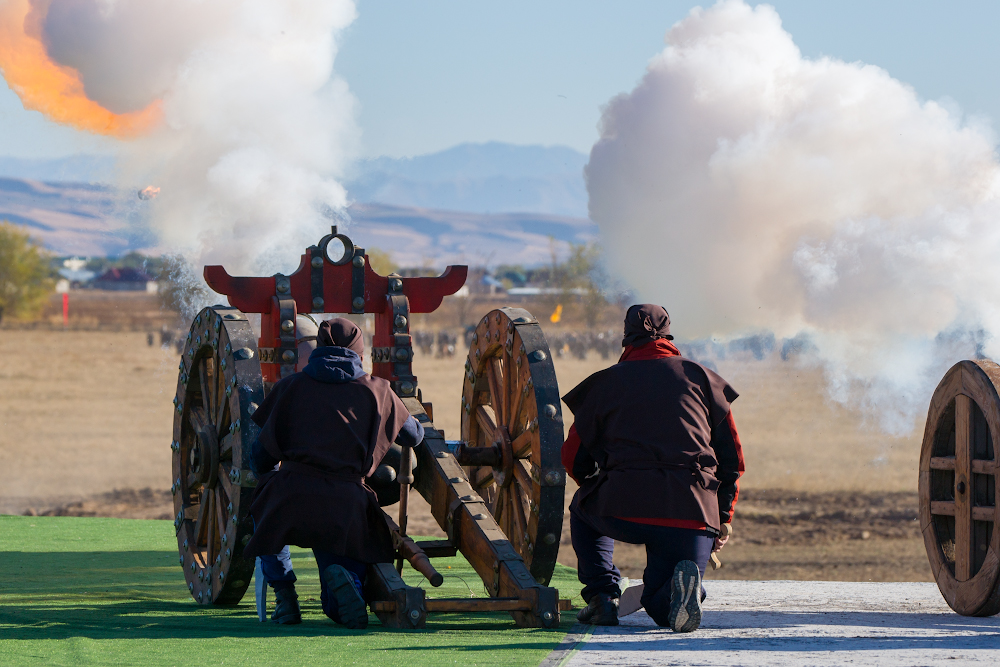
[(660, 348)]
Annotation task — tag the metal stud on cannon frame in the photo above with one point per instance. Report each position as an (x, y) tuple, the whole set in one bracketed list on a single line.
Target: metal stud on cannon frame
[(498, 493)]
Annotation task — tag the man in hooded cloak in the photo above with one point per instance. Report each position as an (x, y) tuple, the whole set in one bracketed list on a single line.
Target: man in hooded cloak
[(655, 450), (328, 427)]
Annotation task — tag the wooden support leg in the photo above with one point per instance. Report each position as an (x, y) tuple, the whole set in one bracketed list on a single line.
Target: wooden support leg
[(410, 607), (405, 478)]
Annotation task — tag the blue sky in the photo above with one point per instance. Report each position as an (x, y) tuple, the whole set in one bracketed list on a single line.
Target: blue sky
[(436, 73)]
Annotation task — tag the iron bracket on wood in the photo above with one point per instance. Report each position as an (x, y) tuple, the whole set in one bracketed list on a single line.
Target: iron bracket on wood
[(401, 352), (316, 279), (358, 281), (409, 608), (286, 306)]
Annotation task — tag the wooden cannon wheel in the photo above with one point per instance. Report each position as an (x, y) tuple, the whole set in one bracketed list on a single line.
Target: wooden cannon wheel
[(219, 386), (511, 410), (959, 515)]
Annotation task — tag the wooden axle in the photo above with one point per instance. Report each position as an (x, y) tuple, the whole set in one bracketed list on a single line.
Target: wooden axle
[(478, 456)]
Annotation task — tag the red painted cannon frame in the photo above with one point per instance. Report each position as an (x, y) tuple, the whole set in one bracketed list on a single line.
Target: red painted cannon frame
[(347, 284)]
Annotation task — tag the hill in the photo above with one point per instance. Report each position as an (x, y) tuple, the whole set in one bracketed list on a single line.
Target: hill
[(483, 178), (97, 220), (74, 218)]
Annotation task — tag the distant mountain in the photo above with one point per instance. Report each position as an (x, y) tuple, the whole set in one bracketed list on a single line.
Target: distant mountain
[(74, 218), (474, 203), (73, 169), (96, 220), (420, 236), (482, 178)]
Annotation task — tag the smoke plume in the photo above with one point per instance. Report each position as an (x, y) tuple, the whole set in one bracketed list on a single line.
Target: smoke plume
[(747, 188), (250, 125)]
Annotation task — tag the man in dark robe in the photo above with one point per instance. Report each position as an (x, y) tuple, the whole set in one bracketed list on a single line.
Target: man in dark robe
[(657, 456), (328, 427)]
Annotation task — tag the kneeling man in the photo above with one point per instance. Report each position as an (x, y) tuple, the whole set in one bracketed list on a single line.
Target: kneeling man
[(328, 427), (656, 453)]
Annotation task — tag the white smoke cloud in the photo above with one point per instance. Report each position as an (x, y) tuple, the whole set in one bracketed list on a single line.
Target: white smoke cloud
[(748, 188), (257, 126)]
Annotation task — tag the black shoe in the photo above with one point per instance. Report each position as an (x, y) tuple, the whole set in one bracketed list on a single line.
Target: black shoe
[(685, 597), (286, 607), (351, 606), (601, 610)]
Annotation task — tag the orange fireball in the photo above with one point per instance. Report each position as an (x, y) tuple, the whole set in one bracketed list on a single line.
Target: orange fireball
[(53, 89)]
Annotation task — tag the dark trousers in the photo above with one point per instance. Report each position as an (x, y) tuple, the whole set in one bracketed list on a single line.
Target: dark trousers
[(594, 542), (278, 578)]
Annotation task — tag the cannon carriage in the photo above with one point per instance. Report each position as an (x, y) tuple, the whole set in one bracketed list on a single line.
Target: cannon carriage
[(497, 493)]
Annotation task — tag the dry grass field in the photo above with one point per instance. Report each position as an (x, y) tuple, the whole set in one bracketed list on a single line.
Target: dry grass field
[(85, 426)]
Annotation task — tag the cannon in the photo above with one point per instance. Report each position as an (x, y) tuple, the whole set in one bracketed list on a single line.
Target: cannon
[(497, 493), (959, 514)]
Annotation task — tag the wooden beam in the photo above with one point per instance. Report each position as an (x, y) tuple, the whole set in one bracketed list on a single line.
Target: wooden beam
[(487, 421), (942, 463), (496, 388), (522, 444), (482, 604), (943, 507), (438, 548), (983, 514), (517, 391), (980, 467), (459, 605), (207, 388), (963, 468)]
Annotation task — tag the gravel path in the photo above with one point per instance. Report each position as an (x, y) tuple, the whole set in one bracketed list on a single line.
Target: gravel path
[(803, 623)]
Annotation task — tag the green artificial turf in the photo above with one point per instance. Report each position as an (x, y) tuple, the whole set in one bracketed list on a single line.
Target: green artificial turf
[(87, 591)]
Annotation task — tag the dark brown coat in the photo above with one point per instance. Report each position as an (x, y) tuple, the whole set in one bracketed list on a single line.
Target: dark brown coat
[(648, 424), (328, 437)]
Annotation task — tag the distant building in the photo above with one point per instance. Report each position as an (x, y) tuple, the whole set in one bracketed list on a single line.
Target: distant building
[(74, 272), (77, 277), (126, 280)]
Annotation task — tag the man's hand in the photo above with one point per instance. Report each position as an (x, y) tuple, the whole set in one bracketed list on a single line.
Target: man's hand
[(720, 541)]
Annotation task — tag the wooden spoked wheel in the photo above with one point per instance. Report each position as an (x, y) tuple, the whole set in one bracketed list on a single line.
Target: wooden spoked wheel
[(510, 403), (218, 388), (958, 487)]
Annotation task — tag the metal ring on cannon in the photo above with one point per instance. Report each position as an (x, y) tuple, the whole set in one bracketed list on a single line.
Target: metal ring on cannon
[(324, 248)]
